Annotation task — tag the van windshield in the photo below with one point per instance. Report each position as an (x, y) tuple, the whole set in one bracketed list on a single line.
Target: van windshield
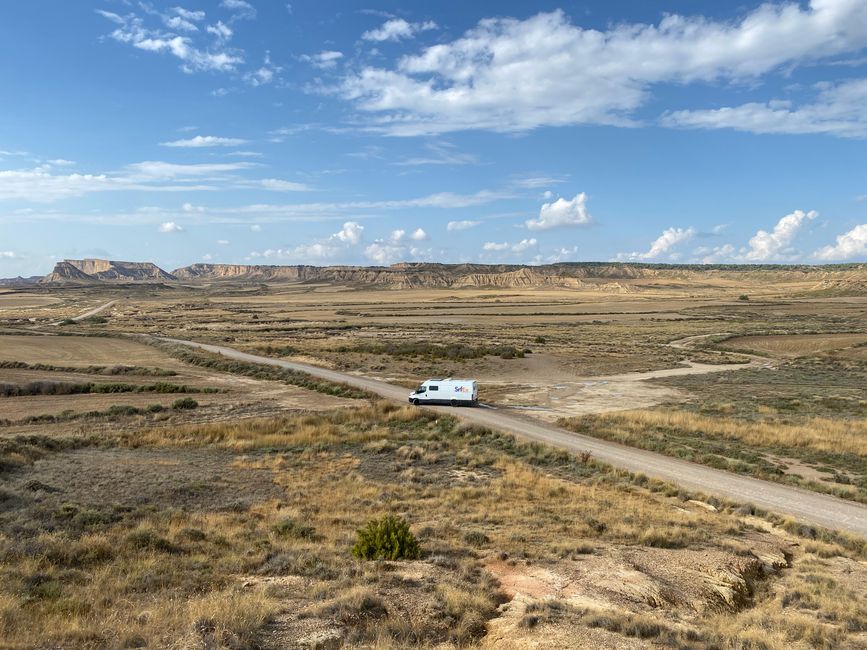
[(420, 389)]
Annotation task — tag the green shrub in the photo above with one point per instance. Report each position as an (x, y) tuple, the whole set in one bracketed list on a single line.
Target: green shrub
[(744, 297), (388, 538), (185, 403)]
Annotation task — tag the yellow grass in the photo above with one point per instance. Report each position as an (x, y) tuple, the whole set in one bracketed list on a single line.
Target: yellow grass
[(81, 351), (822, 434), (795, 345)]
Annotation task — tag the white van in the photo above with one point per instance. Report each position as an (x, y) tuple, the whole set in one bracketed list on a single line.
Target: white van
[(456, 392)]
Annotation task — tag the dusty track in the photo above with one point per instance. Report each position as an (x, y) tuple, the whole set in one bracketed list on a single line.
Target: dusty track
[(808, 507), (88, 314)]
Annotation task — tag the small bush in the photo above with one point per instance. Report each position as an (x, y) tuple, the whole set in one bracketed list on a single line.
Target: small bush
[(185, 403), (388, 538), (476, 538), (290, 528), (743, 297)]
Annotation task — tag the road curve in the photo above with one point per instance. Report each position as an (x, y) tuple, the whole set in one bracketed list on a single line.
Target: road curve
[(803, 505), (88, 314)]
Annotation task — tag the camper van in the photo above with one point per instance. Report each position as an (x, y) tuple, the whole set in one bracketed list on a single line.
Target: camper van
[(456, 392)]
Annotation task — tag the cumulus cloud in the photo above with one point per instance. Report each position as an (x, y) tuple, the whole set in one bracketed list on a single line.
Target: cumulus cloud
[(848, 246), (397, 29), (8, 255), (662, 245), (170, 226), (419, 235), (204, 141), (562, 212), (771, 246), (256, 227), (324, 60), (507, 74), (351, 234), (466, 224)]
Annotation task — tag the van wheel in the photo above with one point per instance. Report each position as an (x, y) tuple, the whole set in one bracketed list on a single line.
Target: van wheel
[(454, 402), (415, 402)]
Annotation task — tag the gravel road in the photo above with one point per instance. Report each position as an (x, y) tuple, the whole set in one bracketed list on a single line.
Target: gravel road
[(803, 505)]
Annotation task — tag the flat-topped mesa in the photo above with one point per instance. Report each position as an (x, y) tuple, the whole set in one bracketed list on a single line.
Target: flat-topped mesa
[(97, 270)]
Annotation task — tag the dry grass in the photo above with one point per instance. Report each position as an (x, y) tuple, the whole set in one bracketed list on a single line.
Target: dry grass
[(790, 346), (822, 434)]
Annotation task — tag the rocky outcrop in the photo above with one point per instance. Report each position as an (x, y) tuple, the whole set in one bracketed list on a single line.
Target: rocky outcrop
[(598, 276), (96, 270)]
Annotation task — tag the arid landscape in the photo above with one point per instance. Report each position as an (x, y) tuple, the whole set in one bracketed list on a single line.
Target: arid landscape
[(159, 495)]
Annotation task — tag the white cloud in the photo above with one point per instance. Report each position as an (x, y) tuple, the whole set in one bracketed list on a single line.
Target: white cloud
[(507, 74), (277, 185), (170, 226), (223, 242), (662, 245), (256, 227), (188, 14), (419, 235), (397, 29), (518, 247), (221, 30), (383, 253), (767, 246), (149, 170), (351, 233), (8, 255), (189, 207), (131, 30), (204, 141), (562, 254), (264, 75), (324, 60), (241, 8), (454, 226), (838, 111), (562, 213), (61, 162), (441, 153), (335, 245), (848, 246)]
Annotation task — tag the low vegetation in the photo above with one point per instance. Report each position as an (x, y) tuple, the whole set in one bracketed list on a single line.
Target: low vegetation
[(835, 449), (261, 371), (90, 370), (49, 387), (388, 538), (434, 351)]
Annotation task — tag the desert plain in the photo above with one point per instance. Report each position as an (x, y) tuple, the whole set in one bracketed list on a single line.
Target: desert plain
[(157, 495)]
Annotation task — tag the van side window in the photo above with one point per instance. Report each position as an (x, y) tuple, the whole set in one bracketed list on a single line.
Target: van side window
[(434, 387)]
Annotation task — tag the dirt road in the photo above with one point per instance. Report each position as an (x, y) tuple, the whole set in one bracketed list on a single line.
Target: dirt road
[(808, 507), (88, 314)]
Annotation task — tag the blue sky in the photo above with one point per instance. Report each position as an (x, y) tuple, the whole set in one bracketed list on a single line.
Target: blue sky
[(329, 132)]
